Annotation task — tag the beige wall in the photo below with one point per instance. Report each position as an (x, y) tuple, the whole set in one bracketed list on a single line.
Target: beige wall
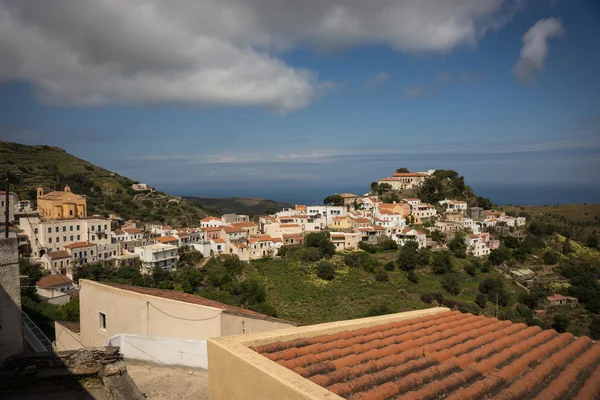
[(129, 312), (237, 325), (66, 339), (257, 377)]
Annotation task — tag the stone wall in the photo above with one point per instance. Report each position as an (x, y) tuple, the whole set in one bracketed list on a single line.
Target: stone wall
[(11, 319), (39, 372)]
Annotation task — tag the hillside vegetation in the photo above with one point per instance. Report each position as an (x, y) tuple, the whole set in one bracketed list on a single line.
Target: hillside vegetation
[(238, 205), (107, 192)]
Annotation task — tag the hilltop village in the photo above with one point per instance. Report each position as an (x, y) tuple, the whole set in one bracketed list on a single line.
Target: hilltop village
[(60, 234)]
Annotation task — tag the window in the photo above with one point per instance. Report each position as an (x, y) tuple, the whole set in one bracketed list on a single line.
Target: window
[(77, 227), (70, 212), (71, 228), (57, 239), (35, 231), (49, 240), (99, 228), (93, 237), (64, 238), (78, 237), (49, 230), (71, 238), (102, 321), (93, 227), (105, 227), (92, 252), (64, 228), (85, 253), (57, 229)]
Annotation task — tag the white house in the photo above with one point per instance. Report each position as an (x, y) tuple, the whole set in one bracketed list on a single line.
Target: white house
[(477, 245), (210, 222), (157, 255), (423, 210), (401, 236), (54, 288), (56, 261), (127, 234), (396, 219), (52, 235), (454, 205), (345, 241)]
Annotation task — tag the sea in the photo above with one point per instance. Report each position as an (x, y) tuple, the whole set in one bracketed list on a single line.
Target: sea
[(498, 194)]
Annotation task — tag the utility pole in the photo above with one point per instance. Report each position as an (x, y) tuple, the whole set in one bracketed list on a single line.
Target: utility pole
[(6, 211)]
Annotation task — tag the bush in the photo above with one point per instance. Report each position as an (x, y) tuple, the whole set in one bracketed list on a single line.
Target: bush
[(264, 308), (499, 256), (442, 263), (595, 329), (470, 269), (486, 267), (389, 266), (431, 297), (381, 276), (427, 298), (320, 240), (311, 254), (369, 248), (412, 277), (492, 287), (469, 308), (451, 284), (458, 246), (550, 257), (352, 260), (381, 309), (481, 300), (561, 323), (423, 256), (389, 244), (326, 270)]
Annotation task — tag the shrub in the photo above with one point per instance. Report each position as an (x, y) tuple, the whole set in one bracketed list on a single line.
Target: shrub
[(595, 329), (412, 277), (381, 276), (481, 300), (311, 254), (380, 309), (389, 244), (320, 240), (427, 298), (486, 267), (369, 248), (442, 263), (470, 269), (550, 257), (389, 266), (264, 308), (499, 256), (352, 260), (451, 284), (458, 246), (469, 308), (326, 270), (424, 256), (561, 323)]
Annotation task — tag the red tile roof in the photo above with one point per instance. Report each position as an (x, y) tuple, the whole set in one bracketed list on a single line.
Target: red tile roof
[(450, 355), (556, 297), (78, 245), (53, 280), (167, 239), (194, 299), (132, 231), (56, 255)]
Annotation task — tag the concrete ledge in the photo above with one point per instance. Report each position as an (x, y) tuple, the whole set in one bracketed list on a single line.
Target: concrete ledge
[(237, 372)]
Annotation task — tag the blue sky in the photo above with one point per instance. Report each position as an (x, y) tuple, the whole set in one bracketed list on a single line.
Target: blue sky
[(247, 97)]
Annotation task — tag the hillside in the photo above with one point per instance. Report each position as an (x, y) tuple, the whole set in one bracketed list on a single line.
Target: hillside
[(106, 191), (238, 205)]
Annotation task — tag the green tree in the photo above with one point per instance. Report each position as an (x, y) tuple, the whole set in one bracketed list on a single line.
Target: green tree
[(470, 269), (70, 311), (441, 262), (326, 270), (592, 240), (550, 257), (389, 244), (374, 187), (499, 256), (159, 275), (270, 210), (407, 258), (189, 278), (31, 273), (402, 170), (412, 276), (423, 256), (458, 246), (561, 323), (438, 236), (494, 286), (320, 240), (389, 266), (595, 328), (481, 300), (451, 284), (334, 200)]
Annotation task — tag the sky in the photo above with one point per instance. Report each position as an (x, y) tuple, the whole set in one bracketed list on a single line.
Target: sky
[(266, 98)]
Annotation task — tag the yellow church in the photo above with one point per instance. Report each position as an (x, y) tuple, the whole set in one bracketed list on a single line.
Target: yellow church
[(61, 204)]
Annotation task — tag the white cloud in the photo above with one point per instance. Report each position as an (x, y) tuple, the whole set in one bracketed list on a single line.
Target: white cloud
[(214, 52), (535, 48), (378, 79)]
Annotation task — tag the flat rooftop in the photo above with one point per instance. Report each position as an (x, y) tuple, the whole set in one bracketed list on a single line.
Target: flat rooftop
[(447, 355)]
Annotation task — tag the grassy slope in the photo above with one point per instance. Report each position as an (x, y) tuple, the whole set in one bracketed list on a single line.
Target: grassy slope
[(238, 205), (107, 191), (300, 296)]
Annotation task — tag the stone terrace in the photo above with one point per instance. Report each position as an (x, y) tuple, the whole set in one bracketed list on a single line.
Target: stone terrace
[(446, 355)]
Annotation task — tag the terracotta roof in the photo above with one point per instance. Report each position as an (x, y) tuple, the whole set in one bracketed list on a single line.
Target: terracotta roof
[(218, 240), (474, 236), (277, 239), (406, 174), (194, 299), (53, 280), (118, 232), (556, 297), (450, 355), (241, 245), (264, 238), (244, 224), (72, 326), (233, 229), (167, 239), (132, 231), (78, 245), (362, 220), (300, 207), (55, 255), (211, 228)]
